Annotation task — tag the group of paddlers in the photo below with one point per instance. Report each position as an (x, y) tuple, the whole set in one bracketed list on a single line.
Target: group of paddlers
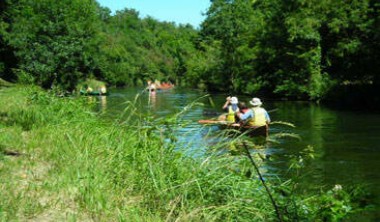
[(157, 85), (88, 90), (239, 115)]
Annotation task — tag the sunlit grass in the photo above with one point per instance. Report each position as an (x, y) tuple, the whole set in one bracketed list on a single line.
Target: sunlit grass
[(75, 166)]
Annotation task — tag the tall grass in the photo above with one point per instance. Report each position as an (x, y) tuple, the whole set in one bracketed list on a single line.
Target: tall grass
[(78, 167)]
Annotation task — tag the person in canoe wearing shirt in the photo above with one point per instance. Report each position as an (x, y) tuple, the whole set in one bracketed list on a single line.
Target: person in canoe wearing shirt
[(257, 117)]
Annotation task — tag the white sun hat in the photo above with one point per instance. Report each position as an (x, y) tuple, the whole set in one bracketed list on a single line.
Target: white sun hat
[(234, 100), (255, 102)]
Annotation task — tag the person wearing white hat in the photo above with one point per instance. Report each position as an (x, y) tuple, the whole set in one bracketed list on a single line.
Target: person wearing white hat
[(231, 106), (257, 117), (151, 87)]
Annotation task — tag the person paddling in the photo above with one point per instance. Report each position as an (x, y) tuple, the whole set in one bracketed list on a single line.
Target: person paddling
[(232, 109), (243, 107), (257, 117)]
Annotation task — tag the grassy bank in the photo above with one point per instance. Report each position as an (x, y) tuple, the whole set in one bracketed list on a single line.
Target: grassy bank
[(70, 165)]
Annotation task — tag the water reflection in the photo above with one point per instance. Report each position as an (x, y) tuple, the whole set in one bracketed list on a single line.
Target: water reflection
[(103, 103), (152, 99)]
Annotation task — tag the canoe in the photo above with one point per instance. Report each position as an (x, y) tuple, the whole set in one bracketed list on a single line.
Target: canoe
[(251, 131), (165, 87)]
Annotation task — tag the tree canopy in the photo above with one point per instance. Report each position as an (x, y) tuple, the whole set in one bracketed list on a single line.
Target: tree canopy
[(294, 48)]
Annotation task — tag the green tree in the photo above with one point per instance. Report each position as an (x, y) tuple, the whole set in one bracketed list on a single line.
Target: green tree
[(294, 48), (50, 39), (7, 59)]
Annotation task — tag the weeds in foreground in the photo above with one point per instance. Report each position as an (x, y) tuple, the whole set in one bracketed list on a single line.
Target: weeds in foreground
[(79, 167)]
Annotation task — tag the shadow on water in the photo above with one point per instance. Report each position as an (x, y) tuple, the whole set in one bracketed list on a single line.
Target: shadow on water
[(346, 144)]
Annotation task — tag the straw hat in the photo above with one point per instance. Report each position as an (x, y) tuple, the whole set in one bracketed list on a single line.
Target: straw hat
[(255, 102)]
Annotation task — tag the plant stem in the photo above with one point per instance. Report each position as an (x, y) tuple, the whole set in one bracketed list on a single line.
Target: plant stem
[(279, 216)]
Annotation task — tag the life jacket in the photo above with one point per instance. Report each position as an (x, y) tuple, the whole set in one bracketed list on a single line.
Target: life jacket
[(258, 118), (103, 90), (231, 114), (89, 90)]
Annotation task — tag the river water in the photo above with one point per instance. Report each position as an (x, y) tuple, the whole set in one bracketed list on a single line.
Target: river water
[(346, 143)]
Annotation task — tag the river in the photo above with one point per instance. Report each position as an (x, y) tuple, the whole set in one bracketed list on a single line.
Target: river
[(346, 143)]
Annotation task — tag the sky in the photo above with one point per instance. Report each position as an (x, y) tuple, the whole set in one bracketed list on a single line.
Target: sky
[(178, 11)]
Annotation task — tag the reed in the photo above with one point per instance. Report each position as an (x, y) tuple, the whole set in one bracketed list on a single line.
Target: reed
[(78, 167)]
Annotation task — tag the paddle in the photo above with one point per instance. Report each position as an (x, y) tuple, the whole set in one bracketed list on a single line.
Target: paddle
[(272, 110), (218, 122), (210, 121)]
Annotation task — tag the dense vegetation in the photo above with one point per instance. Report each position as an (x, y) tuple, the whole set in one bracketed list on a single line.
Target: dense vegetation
[(59, 161), (296, 49)]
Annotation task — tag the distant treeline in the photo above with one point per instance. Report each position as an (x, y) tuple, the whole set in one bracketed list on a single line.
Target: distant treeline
[(300, 49)]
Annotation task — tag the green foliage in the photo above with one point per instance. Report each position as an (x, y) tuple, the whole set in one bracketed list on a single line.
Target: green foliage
[(134, 49), (23, 77), (292, 48), (128, 169), (334, 204), (30, 116), (297, 49), (50, 39)]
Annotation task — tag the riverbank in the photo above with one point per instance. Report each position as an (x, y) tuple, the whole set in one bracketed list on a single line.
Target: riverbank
[(354, 97), (72, 165)]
